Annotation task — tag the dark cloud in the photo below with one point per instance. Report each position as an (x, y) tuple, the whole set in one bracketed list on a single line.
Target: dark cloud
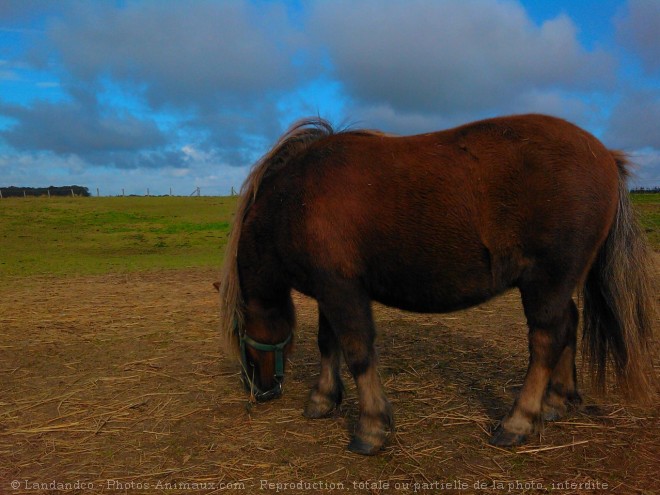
[(21, 10), (448, 56), (71, 128), (156, 159), (638, 29), (81, 128), (634, 126), (635, 121)]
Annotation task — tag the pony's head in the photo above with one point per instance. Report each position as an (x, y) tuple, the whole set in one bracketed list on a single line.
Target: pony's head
[(259, 332), (262, 338), (264, 342)]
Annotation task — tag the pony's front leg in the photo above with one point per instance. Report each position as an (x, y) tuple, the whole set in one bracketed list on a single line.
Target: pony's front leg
[(350, 317), (327, 394)]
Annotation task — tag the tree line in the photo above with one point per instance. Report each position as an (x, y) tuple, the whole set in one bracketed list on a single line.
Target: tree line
[(13, 191), (643, 190)]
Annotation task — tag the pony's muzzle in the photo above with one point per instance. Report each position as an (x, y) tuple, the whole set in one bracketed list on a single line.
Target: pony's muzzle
[(273, 393), (262, 395)]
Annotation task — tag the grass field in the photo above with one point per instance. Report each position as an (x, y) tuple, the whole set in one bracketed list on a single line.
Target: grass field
[(648, 206), (78, 236), (75, 236)]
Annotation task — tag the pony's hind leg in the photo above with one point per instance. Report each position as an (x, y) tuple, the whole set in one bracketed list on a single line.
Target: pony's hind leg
[(562, 393), (547, 316), (327, 393), (348, 310)]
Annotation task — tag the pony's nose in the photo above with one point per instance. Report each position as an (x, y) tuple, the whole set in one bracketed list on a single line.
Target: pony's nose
[(273, 393), (262, 395)]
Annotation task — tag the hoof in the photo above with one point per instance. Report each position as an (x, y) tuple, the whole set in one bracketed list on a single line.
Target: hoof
[(552, 414), (313, 412), (359, 446), (319, 406), (504, 438), (556, 407), (368, 441), (575, 400)]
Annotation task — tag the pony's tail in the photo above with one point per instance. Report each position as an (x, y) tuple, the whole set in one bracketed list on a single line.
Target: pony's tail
[(232, 306), (619, 308)]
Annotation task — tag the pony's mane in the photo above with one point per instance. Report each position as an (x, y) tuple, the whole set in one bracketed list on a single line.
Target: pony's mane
[(295, 141)]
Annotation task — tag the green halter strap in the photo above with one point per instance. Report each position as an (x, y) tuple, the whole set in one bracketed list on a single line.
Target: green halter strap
[(278, 349)]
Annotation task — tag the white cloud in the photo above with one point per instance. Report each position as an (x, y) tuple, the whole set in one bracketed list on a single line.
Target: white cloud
[(182, 53), (646, 167), (447, 56)]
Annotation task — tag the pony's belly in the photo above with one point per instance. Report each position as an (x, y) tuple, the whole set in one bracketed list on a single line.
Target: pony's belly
[(433, 296)]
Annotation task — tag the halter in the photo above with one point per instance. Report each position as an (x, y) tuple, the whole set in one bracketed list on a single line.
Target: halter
[(278, 349)]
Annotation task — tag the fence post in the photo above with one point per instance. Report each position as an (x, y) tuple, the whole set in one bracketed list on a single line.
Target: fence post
[(72, 194), (49, 193), (122, 192)]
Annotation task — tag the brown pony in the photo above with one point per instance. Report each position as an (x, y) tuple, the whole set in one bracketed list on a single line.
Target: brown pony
[(434, 223)]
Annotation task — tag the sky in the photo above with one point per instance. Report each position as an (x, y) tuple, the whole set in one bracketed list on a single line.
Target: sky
[(175, 95)]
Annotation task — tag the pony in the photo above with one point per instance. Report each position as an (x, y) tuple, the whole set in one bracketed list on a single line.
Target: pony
[(435, 223)]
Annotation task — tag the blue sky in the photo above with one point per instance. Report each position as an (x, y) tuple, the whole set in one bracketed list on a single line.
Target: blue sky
[(171, 94)]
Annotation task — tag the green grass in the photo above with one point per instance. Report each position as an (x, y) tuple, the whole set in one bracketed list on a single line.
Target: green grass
[(648, 205), (78, 236)]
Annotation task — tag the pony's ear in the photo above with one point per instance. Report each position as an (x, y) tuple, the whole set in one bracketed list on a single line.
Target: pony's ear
[(217, 286)]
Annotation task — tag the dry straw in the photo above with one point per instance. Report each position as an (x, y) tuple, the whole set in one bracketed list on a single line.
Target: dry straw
[(119, 378)]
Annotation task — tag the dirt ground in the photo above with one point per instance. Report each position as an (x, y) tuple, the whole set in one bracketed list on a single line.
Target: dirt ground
[(116, 384)]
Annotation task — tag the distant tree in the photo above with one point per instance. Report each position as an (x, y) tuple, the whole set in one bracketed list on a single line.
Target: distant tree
[(643, 190), (13, 191)]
